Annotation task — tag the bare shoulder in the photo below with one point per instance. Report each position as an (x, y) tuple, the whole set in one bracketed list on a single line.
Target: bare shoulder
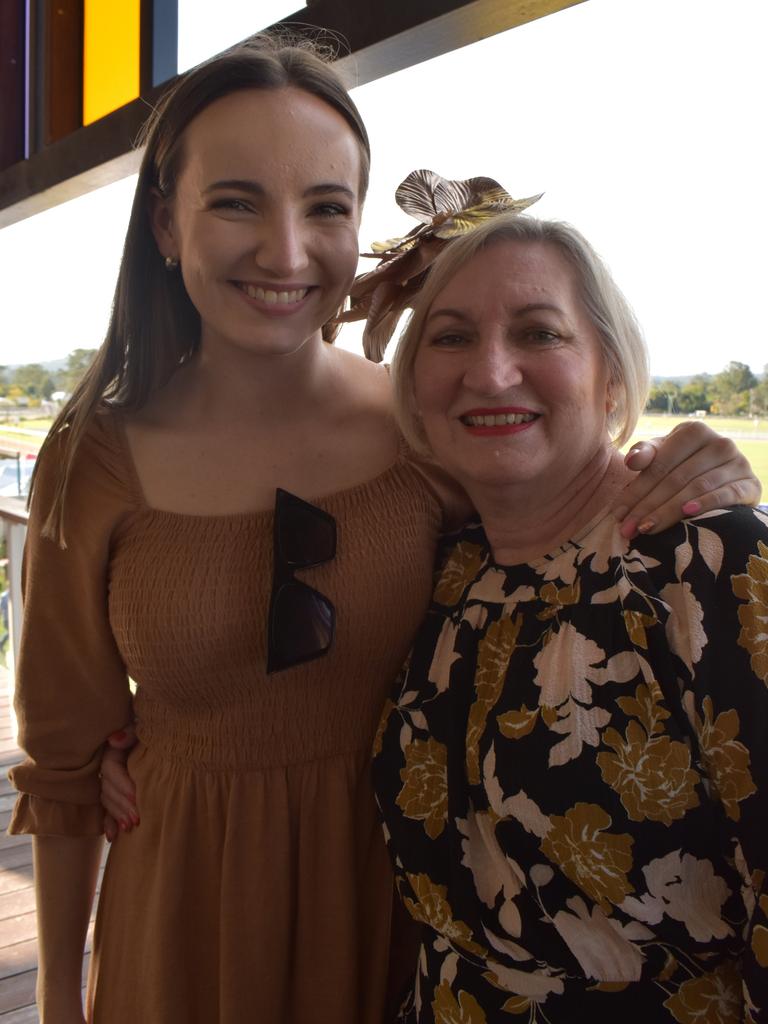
[(367, 385), (360, 410), (370, 401)]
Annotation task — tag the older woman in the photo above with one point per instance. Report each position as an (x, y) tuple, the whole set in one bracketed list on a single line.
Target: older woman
[(574, 773)]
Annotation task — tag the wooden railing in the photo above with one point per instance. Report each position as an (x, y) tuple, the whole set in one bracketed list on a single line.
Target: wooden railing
[(13, 521)]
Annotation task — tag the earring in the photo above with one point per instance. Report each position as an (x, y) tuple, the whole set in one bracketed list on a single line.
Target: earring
[(171, 263)]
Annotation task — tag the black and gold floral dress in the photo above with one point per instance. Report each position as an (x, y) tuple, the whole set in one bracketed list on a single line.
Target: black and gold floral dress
[(574, 780)]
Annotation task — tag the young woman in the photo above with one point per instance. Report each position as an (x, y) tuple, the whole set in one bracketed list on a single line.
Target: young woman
[(257, 884)]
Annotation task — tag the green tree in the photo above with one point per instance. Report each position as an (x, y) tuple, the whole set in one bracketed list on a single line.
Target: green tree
[(663, 396), (760, 395), (34, 380), (695, 394), (731, 387), (77, 363)]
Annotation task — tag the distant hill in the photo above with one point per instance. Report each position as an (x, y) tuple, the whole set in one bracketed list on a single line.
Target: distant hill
[(51, 365), (682, 381)]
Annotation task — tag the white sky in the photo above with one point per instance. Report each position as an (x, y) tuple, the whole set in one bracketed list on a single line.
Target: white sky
[(641, 120), (210, 28)]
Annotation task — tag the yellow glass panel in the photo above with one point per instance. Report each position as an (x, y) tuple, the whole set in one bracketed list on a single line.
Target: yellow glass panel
[(110, 56)]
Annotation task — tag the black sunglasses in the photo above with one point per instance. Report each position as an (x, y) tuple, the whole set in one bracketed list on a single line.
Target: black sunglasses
[(301, 621)]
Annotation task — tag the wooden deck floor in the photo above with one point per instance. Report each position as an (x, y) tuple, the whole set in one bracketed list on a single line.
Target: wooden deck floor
[(18, 945), (18, 942)]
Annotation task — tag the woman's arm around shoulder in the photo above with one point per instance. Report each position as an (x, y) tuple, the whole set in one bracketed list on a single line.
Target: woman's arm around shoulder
[(691, 470)]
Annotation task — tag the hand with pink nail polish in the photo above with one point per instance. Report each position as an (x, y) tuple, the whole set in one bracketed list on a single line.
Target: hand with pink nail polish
[(690, 471)]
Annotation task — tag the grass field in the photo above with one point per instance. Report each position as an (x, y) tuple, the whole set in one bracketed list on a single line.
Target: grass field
[(658, 424), (9, 429)]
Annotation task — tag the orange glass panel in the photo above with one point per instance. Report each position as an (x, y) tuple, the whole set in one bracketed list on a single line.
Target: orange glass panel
[(110, 56)]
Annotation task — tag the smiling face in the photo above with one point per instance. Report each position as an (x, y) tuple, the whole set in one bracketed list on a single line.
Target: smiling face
[(264, 218), (509, 378)]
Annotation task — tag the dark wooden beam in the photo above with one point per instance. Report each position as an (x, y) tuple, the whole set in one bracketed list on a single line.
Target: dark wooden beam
[(384, 36), (398, 34), (85, 159), (12, 81), (62, 69)]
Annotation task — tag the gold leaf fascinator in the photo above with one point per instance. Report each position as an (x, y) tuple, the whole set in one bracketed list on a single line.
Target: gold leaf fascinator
[(445, 210)]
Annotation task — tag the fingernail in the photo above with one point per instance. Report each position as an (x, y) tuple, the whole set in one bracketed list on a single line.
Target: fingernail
[(646, 525), (109, 834), (690, 508), (118, 736), (628, 528), (123, 824), (135, 819), (635, 448), (620, 512)]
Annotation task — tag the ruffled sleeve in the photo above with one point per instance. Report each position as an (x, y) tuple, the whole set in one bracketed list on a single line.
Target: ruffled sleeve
[(71, 685)]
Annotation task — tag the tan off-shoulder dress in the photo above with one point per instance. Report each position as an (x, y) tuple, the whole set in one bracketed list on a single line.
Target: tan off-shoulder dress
[(257, 886)]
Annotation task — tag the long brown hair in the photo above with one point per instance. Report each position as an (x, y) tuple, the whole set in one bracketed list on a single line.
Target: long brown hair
[(154, 327)]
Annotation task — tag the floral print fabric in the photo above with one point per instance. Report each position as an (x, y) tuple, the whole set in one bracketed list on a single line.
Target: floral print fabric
[(573, 776)]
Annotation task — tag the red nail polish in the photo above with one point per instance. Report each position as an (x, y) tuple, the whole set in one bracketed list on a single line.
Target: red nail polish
[(118, 736)]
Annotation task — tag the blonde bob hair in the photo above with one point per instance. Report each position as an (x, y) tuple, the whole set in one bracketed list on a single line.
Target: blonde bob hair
[(622, 342)]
